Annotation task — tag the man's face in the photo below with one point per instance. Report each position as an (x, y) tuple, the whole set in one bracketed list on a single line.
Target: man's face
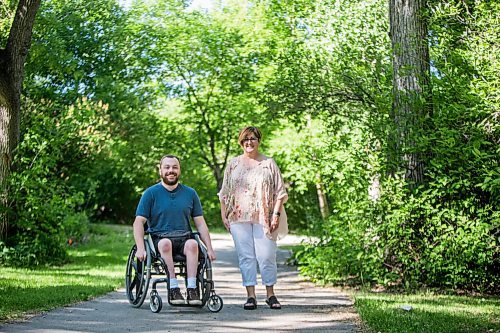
[(170, 171)]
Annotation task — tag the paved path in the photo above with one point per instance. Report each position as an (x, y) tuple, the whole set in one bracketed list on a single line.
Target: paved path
[(306, 308)]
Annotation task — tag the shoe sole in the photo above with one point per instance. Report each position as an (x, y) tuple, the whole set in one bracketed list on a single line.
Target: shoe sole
[(178, 302)]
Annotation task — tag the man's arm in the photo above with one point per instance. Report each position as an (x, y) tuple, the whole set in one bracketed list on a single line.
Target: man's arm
[(202, 228), (139, 237)]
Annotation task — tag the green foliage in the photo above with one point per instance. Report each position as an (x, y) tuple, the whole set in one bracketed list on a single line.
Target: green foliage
[(348, 250), (336, 59), (82, 51), (208, 66), (76, 226), (7, 10), (41, 197), (436, 241), (408, 240), (443, 234)]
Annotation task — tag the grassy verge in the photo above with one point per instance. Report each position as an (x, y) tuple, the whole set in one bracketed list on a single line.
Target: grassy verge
[(95, 268), (427, 312), (384, 313)]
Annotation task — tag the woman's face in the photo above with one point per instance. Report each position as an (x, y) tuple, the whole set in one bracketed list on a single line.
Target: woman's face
[(250, 143)]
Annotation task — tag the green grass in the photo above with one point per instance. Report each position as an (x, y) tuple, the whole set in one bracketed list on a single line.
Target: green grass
[(95, 268), (382, 312)]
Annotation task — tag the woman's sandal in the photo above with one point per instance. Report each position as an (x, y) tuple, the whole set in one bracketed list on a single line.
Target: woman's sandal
[(273, 303), (251, 304)]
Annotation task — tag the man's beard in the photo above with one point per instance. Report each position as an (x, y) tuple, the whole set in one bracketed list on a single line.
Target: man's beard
[(170, 182)]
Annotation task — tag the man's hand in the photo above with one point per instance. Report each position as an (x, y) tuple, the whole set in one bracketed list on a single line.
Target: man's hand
[(140, 254), (211, 254), (139, 237)]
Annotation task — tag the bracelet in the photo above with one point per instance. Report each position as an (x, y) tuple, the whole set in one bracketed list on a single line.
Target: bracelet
[(277, 213)]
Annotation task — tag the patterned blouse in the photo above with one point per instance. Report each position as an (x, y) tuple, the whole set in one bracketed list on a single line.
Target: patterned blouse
[(250, 193)]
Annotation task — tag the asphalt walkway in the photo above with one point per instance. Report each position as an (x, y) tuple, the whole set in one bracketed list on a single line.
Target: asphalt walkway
[(306, 307)]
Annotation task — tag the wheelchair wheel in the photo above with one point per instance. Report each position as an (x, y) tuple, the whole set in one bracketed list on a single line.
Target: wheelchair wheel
[(137, 277), (215, 303), (155, 302), (206, 284)]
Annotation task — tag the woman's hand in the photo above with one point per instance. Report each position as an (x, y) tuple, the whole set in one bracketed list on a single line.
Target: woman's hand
[(227, 225), (275, 222)]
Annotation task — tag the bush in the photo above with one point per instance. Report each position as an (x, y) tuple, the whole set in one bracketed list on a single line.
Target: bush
[(45, 208), (409, 240), (76, 226)]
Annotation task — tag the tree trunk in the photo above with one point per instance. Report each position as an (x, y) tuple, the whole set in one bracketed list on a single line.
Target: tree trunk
[(12, 60), (411, 85), (323, 203), (9, 127)]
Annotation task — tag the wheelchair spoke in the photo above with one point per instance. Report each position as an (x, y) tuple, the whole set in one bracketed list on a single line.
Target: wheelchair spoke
[(132, 285)]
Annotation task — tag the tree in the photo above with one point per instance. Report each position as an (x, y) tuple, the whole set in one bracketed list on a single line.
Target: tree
[(81, 50), (212, 69), (12, 60), (411, 84)]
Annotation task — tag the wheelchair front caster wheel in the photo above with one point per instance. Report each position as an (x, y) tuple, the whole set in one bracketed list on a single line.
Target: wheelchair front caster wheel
[(155, 303), (215, 303)]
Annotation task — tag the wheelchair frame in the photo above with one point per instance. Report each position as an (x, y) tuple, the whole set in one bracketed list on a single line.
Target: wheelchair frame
[(138, 275)]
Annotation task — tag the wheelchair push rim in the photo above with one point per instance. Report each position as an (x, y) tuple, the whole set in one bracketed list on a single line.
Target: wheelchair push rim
[(137, 277)]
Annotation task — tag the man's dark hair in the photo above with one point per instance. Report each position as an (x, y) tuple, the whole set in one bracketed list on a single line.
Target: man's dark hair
[(169, 156)]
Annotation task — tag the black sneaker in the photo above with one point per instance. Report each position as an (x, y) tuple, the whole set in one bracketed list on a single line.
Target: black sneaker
[(175, 296), (193, 296)]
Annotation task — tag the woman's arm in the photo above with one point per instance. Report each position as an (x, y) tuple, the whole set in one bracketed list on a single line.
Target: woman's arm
[(223, 194), (281, 197), (223, 214), (275, 219)]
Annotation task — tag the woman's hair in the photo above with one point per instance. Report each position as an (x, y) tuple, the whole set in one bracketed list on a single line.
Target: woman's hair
[(169, 156), (249, 130)]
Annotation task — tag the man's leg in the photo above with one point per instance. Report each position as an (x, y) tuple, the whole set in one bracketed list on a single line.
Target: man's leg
[(165, 248), (191, 253)]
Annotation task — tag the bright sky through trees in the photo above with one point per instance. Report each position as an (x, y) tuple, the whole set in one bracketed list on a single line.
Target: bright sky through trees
[(196, 4)]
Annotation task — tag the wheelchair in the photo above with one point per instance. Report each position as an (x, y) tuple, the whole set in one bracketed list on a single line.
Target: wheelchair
[(139, 273)]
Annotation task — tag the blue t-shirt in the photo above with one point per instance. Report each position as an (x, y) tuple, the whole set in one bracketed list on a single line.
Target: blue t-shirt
[(169, 211)]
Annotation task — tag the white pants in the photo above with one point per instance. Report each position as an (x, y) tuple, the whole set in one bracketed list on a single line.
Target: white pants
[(254, 247)]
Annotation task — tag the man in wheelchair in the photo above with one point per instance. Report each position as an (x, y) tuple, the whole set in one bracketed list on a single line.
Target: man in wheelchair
[(167, 207)]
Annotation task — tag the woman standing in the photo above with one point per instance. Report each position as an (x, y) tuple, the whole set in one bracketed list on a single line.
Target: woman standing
[(252, 198)]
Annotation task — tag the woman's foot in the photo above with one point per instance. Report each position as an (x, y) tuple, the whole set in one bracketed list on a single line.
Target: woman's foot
[(251, 304), (273, 303)]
